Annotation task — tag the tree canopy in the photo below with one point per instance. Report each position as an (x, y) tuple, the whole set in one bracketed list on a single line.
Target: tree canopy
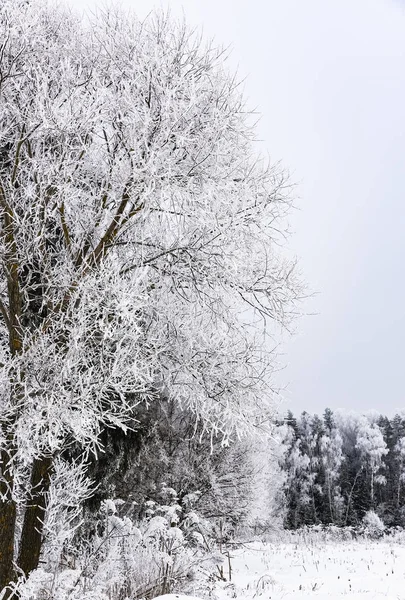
[(137, 227)]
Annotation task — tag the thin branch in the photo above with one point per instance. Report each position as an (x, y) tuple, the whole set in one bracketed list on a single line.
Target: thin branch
[(65, 228)]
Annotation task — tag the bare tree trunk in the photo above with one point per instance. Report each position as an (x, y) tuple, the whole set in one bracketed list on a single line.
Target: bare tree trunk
[(11, 317), (399, 486), (32, 532), (349, 499), (331, 507), (372, 488), (7, 522)]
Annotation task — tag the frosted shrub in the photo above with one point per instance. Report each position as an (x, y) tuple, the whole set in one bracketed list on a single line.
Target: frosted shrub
[(143, 560), (115, 558), (373, 525)]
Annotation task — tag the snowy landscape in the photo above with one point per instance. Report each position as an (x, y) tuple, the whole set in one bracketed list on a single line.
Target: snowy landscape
[(146, 290), (304, 569)]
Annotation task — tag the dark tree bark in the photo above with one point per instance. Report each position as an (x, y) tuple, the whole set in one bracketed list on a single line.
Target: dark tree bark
[(7, 523), (32, 531), (12, 320)]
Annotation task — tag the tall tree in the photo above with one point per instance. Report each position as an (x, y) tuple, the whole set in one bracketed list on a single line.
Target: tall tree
[(372, 448), (136, 227), (331, 459)]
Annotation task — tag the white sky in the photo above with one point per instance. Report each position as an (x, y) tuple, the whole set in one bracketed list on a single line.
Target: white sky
[(328, 77)]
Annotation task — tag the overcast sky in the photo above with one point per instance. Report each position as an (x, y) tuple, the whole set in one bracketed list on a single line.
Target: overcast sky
[(328, 76)]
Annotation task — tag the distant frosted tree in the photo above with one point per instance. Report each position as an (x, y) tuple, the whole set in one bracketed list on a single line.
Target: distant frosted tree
[(399, 454), (373, 448), (328, 419), (136, 227), (310, 430), (353, 476), (331, 456), (298, 481)]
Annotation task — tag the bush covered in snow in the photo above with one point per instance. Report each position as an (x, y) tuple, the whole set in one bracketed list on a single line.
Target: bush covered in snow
[(373, 526), (112, 556)]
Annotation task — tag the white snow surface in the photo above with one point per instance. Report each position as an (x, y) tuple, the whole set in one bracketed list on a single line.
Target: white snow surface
[(176, 597), (358, 570)]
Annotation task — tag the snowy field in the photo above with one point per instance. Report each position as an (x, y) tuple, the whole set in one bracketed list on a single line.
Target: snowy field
[(353, 570)]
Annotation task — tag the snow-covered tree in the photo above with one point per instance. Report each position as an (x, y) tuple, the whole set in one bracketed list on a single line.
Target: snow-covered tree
[(136, 227), (399, 453), (310, 431), (332, 458), (373, 448), (298, 480)]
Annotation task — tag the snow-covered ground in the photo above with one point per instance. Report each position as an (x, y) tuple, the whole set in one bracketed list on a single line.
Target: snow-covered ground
[(353, 570)]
